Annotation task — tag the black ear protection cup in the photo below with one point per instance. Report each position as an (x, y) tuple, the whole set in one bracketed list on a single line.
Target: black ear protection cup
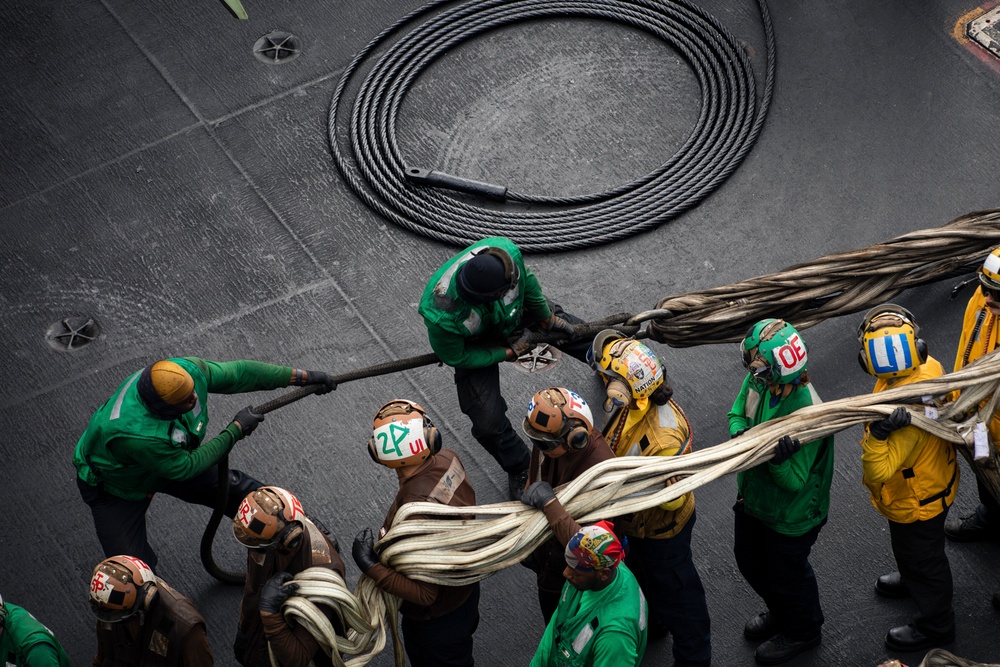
[(291, 536), (863, 360), (371, 450), (578, 435), (431, 436)]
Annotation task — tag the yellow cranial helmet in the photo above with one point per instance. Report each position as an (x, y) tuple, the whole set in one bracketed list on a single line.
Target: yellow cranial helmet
[(633, 371), (890, 342)]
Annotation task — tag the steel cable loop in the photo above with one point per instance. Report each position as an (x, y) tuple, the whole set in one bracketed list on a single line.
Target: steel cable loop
[(838, 284), (540, 13), (442, 547), (729, 122)]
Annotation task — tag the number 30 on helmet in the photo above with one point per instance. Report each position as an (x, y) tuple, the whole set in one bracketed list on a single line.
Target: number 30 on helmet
[(403, 435), (890, 342)]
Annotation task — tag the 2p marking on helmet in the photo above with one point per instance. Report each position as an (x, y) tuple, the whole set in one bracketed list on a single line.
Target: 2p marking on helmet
[(403, 435)]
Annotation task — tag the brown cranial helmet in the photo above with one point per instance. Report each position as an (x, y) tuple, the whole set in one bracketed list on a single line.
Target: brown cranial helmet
[(120, 587), (269, 517)]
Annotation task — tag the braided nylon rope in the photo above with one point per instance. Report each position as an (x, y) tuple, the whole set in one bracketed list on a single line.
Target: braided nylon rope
[(847, 282)]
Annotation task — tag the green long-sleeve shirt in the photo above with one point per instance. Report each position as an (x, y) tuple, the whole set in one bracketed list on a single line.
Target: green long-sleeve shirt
[(133, 453), (793, 496), (25, 642), (467, 336)]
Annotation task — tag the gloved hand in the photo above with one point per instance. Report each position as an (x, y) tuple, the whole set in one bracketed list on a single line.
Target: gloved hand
[(363, 550), (538, 495), (881, 428), (786, 447), (247, 420), (555, 324), (321, 378), (738, 433), (521, 344), (275, 591)]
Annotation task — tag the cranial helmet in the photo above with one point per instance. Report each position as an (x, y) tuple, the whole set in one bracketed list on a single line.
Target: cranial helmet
[(403, 435), (774, 352), (633, 371), (890, 342), (120, 587), (269, 517), (989, 272), (487, 276), (557, 417)]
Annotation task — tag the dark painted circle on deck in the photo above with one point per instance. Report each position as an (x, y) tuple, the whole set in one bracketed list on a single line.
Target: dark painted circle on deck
[(277, 48), (72, 333)]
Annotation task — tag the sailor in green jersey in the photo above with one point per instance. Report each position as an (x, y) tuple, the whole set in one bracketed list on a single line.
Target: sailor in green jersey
[(478, 307), (782, 503), (147, 438), (24, 642), (602, 617)]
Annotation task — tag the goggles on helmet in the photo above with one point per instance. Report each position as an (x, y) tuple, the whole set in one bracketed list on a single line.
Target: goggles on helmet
[(117, 588), (774, 353)]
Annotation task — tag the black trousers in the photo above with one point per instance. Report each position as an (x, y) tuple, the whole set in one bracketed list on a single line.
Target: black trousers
[(445, 641), (989, 509), (480, 400), (674, 592), (923, 564), (121, 524), (777, 567)]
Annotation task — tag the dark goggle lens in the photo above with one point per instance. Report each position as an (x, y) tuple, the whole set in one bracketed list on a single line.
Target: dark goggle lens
[(106, 615), (546, 445), (992, 293)]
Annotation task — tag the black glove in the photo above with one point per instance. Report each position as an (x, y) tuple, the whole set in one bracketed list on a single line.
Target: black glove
[(321, 378), (538, 495), (363, 550), (786, 447), (275, 592), (881, 428), (522, 343), (248, 420), (555, 324), (738, 433)]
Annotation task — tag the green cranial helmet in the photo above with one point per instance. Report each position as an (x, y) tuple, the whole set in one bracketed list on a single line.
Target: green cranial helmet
[(774, 352)]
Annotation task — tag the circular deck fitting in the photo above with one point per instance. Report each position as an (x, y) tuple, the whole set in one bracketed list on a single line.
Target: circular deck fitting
[(539, 358), (277, 48), (73, 332)]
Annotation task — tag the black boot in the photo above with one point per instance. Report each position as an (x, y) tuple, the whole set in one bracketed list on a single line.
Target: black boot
[(892, 586)]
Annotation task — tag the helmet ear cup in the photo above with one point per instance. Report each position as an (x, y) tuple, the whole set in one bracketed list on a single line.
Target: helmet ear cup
[(921, 349), (149, 595), (371, 450), (291, 537), (431, 436), (863, 360), (619, 393), (578, 436)]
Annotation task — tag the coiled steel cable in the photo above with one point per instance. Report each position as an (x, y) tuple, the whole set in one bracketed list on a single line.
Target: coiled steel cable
[(728, 125)]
